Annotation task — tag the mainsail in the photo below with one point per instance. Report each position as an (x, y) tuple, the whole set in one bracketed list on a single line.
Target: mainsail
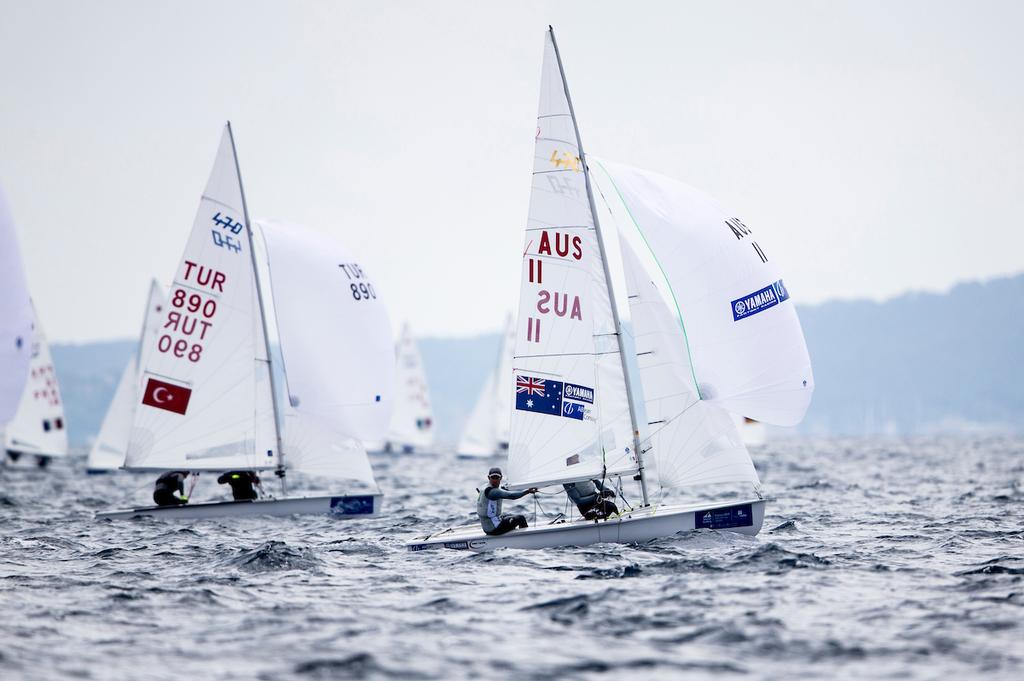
[(487, 429), (338, 358), (412, 420), (108, 450), (205, 398), (571, 418), (38, 426), (15, 318)]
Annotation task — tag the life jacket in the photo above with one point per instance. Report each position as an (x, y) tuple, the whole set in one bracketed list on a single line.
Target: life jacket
[(489, 510)]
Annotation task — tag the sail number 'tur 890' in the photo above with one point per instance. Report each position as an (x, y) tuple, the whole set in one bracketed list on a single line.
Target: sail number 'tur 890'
[(360, 287)]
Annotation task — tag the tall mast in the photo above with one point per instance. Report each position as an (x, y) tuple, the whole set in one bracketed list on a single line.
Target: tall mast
[(607, 277), (263, 315)]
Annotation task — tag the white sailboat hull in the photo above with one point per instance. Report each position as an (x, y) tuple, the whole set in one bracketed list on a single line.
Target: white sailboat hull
[(342, 506), (634, 527)]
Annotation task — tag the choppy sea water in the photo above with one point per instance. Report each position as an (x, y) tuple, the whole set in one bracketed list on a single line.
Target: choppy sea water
[(878, 559)]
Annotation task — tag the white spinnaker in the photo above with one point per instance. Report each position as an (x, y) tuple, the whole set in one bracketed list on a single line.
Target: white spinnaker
[(487, 429), (693, 442), (38, 426), (412, 419), (111, 444), (742, 332), (565, 336), (15, 318), (209, 351), (335, 334)]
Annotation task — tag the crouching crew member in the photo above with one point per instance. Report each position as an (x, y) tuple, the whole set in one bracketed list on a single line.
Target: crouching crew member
[(241, 484), (166, 486)]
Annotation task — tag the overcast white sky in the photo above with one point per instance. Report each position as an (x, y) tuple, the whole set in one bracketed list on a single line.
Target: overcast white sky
[(876, 147)]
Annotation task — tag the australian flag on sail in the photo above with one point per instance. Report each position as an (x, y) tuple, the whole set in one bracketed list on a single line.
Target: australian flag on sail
[(540, 395)]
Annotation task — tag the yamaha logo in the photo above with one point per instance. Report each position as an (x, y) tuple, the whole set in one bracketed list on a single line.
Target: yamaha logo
[(740, 308)]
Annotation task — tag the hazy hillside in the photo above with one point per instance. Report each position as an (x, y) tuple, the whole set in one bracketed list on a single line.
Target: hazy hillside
[(920, 362), (88, 374)]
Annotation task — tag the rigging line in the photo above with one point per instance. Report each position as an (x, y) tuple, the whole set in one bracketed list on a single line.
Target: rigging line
[(668, 421), (679, 312)]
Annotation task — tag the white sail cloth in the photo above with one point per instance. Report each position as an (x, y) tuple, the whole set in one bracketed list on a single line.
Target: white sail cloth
[(487, 429), (204, 394), (111, 444), (15, 317), (312, 446), (334, 331), (412, 419), (38, 426), (570, 418), (691, 442), (741, 330)]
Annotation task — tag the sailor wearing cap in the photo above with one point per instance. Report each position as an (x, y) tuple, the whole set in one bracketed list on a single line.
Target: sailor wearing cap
[(488, 505)]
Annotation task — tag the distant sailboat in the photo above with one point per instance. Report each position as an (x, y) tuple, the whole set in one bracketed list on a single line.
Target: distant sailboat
[(486, 431), (108, 451), (412, 421), (15, 318), (751, 431), (38, 427), (713, 332), (208, 398)]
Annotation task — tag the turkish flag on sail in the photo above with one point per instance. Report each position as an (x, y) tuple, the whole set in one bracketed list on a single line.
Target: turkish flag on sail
[(166, 396)]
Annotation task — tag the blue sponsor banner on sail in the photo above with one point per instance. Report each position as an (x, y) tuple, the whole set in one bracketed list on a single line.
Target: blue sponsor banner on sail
[(759, 301), (572, 410), (580, 393), (539, 395)]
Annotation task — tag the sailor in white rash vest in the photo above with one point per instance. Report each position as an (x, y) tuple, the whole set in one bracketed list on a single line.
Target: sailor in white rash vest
[(488, 505)]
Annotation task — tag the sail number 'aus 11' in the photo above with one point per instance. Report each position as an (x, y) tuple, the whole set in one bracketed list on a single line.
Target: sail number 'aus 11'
[(358, 284)]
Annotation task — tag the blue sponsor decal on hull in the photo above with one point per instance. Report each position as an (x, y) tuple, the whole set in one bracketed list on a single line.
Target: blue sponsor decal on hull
[(759, 301), (724, 518), (362, 505)]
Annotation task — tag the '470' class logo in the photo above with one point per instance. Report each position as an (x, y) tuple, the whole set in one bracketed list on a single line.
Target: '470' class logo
[(565, 160)]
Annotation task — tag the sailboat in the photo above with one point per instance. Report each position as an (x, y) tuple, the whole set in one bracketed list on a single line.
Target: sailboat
[(108, 450), (752, 431), (15, 318), (208, 383), (640, 389), (38, 428), (486, 431), (412, 421)]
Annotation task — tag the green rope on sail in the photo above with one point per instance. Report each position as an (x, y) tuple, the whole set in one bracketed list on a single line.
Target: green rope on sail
[(679, 312)]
